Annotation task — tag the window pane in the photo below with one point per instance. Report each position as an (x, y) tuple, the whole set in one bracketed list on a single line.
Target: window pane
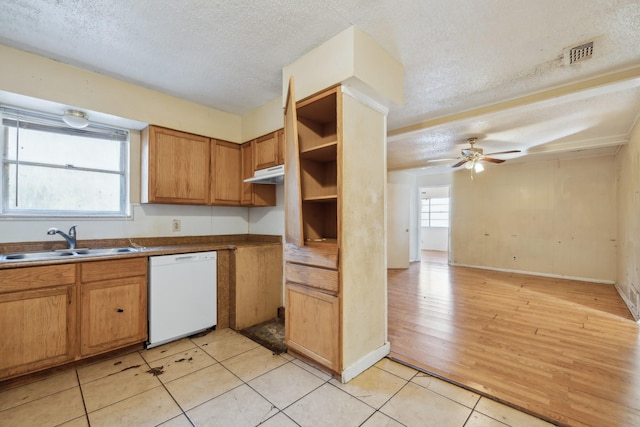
[(49, 189), (439, 215), (435, 212), (58, 149)]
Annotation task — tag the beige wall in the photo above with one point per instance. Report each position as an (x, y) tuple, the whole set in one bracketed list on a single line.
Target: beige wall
[(628, 257), (31, 75), (554, 218), (28, 79), (362, 243)]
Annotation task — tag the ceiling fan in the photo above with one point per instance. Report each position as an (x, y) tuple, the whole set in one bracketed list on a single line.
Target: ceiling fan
[(472, 156)]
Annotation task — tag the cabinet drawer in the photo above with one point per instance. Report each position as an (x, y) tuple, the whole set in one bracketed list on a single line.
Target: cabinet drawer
[(323, 255), (106, 270), (16, 279), (319, 278)]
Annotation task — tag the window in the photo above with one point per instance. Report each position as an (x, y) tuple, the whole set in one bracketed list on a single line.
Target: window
[(434, 212), (51, 169)]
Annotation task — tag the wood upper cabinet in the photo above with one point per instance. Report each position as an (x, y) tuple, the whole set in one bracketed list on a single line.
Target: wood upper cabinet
[(246, 198), (175, 167), (226, 173), (254, 194), (281, 147), (114, 304), (266, 151), (269, 150), (182, 168), (37, 318)]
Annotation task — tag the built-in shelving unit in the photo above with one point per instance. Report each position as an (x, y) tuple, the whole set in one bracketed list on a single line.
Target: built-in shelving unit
[(334, 205)]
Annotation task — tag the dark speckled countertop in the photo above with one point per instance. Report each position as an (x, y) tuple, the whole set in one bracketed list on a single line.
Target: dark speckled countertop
[(148, 246)]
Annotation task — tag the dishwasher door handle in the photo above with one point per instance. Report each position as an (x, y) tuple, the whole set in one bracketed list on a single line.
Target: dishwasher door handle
[(185, 258)]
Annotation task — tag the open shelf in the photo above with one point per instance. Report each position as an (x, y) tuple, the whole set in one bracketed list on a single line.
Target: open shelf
[(320, 220), (322, 199), (318, 179), (317, 124), (326, 152)]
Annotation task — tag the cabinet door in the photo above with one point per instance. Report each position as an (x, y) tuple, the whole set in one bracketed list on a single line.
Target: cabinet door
[(226, 173), (37, 329), (175, 167), (114, 314), (312, 327), (254, 194), (246, 198), (292, 195), (266, 151), (281, 147), (257, 291)]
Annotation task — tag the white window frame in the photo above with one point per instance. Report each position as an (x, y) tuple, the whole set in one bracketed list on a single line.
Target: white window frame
[(429, 211), (10, 116)]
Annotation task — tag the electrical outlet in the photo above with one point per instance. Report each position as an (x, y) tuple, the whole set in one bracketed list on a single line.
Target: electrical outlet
[(175, 225)]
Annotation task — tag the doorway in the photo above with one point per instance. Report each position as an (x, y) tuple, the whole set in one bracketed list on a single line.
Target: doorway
[(433, 230)]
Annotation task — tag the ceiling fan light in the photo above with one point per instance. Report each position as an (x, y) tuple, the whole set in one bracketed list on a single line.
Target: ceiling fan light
[(469, 165), (478, 167), (76, 119)]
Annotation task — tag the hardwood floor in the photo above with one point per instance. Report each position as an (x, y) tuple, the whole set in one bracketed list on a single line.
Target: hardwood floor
[(567, 351)]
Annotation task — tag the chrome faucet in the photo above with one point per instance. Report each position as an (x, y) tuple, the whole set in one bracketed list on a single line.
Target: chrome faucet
[(70, 238)]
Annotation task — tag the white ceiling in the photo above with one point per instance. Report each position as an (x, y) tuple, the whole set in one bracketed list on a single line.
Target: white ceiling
[(458, 56)]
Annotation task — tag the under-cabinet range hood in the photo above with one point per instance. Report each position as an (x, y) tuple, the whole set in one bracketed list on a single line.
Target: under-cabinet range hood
[(273, 175)]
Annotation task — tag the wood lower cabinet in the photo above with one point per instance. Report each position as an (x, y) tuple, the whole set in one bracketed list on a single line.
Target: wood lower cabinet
[(256, 291), (226, 173), (113, 304), (313, 325), (51, 315), (175, 167), (37, 318)]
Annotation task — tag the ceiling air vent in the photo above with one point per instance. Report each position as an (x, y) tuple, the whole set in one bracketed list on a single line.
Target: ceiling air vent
[(580, 53)]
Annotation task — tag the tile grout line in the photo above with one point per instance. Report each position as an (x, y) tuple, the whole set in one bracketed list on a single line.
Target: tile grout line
[(292, 403), (171, 395), (84, 404)]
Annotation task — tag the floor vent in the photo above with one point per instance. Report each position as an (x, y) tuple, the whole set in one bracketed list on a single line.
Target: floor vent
[(580, 53)]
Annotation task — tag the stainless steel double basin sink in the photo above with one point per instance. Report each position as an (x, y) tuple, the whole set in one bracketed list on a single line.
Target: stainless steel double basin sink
[(64, 253)]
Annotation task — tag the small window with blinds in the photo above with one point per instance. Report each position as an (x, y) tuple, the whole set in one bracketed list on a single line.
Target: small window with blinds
[(51, 169)]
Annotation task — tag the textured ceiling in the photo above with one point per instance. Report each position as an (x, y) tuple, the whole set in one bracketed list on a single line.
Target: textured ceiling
[(458, 55)]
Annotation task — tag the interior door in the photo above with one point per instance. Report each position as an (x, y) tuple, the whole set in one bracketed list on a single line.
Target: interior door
[(292, 190), (398, 239)]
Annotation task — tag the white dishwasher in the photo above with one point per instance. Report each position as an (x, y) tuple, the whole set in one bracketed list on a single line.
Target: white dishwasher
[(182, 296)]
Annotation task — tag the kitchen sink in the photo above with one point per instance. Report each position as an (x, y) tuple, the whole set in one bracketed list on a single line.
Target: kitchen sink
[(62, 253)]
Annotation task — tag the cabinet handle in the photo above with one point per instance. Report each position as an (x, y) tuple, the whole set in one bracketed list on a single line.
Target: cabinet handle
[(119, 310)]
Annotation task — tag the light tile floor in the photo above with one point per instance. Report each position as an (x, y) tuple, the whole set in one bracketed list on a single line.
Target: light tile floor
[(225, 379)]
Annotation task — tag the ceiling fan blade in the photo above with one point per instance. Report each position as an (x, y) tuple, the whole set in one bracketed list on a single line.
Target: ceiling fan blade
[(502, 152), (444, 159), (460, 163), (489, 159)]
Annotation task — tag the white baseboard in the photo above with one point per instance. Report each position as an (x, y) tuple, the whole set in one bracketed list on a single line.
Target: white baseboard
[(365, 363), (628, 303), (534, 273)]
